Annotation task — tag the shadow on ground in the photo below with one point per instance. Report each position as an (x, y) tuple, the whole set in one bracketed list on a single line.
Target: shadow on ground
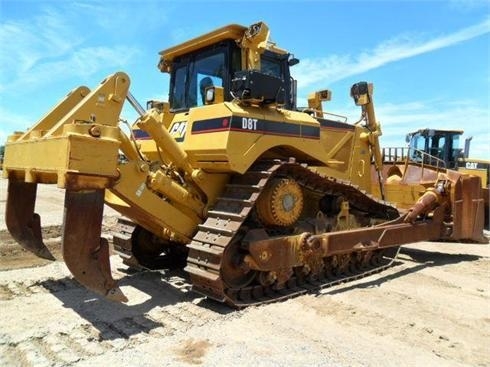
[(161, 293), (155, 290)]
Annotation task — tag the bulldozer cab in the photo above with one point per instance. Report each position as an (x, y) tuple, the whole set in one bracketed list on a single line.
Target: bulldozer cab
[(218, 59), (440, 144), (192, 73)]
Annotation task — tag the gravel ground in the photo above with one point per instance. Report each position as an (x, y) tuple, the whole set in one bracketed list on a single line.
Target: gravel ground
[(430, 309)]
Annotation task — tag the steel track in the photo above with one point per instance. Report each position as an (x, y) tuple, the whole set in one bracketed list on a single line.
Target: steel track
[(206, 256), (227, 220)]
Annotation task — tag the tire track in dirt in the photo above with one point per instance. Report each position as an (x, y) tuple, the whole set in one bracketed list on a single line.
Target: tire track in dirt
[(89, 340), (20, 288), (428, 306), (49, 345), (450, 326), (53, 349)]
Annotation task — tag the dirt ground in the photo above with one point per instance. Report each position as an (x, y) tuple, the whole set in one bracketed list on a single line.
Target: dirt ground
[(432, 308)]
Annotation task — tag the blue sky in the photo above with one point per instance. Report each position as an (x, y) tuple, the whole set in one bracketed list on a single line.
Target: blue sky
[(429, 60)]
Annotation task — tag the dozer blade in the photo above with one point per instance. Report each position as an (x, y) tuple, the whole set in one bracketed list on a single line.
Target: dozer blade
[(86, 254), (23, 224)]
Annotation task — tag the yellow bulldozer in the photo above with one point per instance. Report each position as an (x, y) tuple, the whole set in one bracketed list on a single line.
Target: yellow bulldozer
[(438, 150), (257, 199)]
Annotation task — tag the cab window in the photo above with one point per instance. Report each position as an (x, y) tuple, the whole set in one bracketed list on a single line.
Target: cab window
[(192, 75)]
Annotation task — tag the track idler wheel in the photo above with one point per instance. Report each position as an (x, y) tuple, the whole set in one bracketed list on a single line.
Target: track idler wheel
[(23, 224), (86, 254), (233, 271)]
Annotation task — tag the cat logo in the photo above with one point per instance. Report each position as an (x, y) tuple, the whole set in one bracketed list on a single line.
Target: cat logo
[(177, 130), (471, 165)]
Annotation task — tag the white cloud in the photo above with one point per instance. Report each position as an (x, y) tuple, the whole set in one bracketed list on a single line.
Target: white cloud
[(25, 43), (468, 5), (52, 46), (81, 63), (398, 120), (130, 17), (336, 67)]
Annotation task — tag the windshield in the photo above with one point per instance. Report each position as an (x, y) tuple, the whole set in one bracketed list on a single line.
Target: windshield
[(456, 150), (192, 76), (417, 142)]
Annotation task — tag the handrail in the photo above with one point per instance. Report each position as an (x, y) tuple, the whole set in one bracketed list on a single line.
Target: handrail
[(323, 113), (397, 154), (408, 155)]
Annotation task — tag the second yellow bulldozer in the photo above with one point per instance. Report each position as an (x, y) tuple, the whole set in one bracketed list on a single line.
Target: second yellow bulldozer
[(257, 199), (438, 149)]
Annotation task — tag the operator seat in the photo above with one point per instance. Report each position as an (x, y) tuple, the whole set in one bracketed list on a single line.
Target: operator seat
[(205, 82)]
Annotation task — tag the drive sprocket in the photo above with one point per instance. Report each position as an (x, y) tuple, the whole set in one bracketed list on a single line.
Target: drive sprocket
[(281, 203)]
